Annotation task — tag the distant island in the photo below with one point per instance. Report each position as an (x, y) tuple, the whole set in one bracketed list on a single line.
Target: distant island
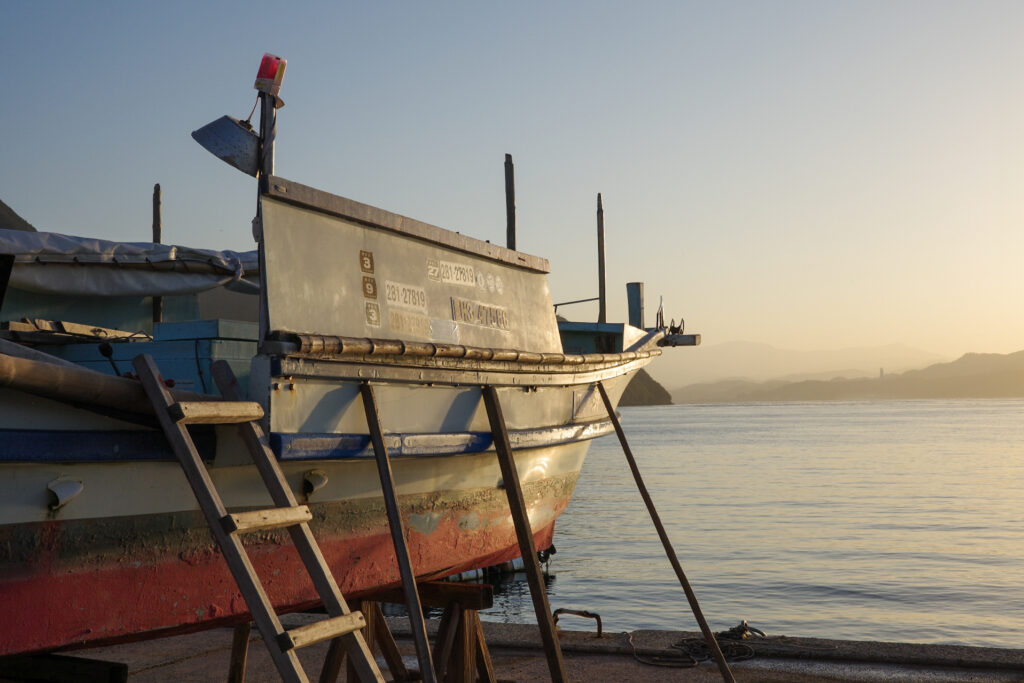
[(644, 390), (974, 375)]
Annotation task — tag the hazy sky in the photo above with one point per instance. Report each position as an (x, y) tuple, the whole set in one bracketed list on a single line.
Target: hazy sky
[(805, 174)]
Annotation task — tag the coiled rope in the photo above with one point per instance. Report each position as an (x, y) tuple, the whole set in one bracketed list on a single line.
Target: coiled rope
[(693, 651)]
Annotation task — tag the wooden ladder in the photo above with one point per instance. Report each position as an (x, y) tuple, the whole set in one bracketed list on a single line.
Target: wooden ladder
[(342, 626)]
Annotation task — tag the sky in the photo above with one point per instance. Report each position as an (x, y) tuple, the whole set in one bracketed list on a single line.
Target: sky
[(806, 174)]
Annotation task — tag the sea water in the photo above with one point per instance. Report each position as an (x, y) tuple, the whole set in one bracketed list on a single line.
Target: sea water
[(876, 520)]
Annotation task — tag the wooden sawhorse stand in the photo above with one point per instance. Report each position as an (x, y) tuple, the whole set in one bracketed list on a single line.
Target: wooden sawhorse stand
[(460, 652)]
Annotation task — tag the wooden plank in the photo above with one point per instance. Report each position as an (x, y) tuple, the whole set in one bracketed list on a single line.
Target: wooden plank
[(302, 536), (319, 631), (387, 482), (385, 641), (269, 518), (475, 596), (215, 412), (63, 327), (20, 351), (446, 631), (336, 658), (463, 669), (484, 666), (239, 652), (88, 389), (524, 534)]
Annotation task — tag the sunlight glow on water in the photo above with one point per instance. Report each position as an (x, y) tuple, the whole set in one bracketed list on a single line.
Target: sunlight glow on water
[(899, 520)]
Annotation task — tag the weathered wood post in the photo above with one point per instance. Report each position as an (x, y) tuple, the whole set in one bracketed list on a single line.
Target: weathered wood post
[(602, 309), (510, 202), (158, 301)]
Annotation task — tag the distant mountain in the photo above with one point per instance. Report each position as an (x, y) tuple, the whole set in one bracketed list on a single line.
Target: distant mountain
[(644, 391), (9, 220), (974, 375), (760, 362)]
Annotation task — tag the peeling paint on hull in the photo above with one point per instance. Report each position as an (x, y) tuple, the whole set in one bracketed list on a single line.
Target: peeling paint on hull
[(66, 583)]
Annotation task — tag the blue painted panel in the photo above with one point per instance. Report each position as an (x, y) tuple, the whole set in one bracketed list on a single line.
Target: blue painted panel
[(207, 329), (341, 446), (38, 445), (187, 362), (578, 337)]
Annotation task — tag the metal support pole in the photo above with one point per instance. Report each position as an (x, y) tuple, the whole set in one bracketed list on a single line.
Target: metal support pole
[(158, 301), (709, 637), (602, 309), (510, 202), (268, 136), (524, 534), (387, 483)]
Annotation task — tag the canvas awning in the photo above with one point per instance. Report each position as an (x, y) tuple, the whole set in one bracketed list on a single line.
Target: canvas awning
[(52, 263)]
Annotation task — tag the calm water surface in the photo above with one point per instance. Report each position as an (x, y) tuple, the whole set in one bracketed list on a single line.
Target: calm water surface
[(895, 520)]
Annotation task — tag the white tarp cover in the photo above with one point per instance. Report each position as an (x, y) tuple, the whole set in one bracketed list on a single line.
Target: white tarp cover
[(51, 263)]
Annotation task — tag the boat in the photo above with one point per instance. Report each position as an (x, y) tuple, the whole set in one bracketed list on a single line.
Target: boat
[(101, 538)]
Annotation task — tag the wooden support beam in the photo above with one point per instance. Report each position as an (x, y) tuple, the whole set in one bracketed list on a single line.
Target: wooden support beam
[(239, 652), (524, 534), (381, 636), (475, 596), (484, 666), (387, 482), (709, 636), (270, 518), (215, 412), (319, 631), (446, 631)]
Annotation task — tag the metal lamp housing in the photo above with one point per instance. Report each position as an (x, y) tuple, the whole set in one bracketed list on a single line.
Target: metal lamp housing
[(232, 141)]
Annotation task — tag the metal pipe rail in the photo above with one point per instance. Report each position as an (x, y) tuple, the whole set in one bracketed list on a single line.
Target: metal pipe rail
[(325, 346)]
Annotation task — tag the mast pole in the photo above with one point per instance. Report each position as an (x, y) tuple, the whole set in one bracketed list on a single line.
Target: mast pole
[(158, 301), (602, 301), (510, 202)]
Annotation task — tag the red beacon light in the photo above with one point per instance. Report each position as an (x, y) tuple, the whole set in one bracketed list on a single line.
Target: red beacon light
[(271, 74)]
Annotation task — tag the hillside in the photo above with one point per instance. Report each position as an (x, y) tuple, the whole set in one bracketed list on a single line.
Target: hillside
[(974, 375), (10, 220), (761, 362), (643, 390)]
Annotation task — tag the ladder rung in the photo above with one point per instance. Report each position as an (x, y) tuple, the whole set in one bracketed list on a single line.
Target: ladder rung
[(270, 518), (215, 412), (320, 631)]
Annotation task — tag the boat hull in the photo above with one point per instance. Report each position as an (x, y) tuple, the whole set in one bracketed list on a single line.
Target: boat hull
[(77, 581)]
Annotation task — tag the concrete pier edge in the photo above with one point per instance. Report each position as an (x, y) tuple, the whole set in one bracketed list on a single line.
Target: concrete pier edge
[(650, 642)]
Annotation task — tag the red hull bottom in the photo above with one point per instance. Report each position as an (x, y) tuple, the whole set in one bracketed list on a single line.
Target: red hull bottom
[(98, 582)]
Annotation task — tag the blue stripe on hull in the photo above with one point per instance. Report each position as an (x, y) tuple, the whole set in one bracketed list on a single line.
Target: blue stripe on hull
[(340, 446), (38, 445), (43, 445)]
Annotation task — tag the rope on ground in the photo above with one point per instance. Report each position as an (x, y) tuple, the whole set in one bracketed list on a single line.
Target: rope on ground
[(693, 651)]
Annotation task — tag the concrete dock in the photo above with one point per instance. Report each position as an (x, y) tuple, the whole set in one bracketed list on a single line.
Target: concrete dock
[(649, 656)]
